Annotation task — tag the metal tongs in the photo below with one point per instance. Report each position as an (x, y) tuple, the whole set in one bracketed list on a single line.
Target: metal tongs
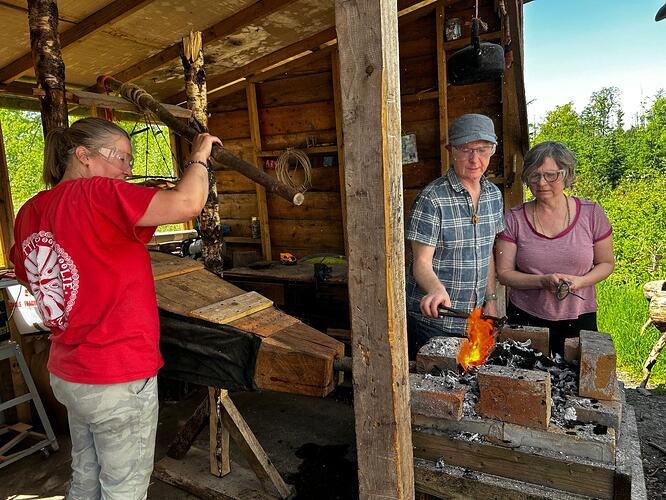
[(457, 313)]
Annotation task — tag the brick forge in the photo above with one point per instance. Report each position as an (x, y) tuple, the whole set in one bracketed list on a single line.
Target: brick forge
[(519, 401)]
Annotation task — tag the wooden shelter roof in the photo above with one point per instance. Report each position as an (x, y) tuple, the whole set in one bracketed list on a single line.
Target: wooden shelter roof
[(138, 40)]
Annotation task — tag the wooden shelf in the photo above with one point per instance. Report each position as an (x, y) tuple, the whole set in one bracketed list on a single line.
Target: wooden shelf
[(464, 42), (242, 239), (310, 151)]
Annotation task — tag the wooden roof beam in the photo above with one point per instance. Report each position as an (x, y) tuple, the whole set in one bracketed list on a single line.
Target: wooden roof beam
[(113, 12), (225, 27), (258, 69)]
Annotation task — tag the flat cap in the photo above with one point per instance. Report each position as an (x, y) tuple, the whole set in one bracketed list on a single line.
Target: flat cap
[(471, 127)]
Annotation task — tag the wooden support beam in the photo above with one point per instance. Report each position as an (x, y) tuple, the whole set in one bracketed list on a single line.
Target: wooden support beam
[(219, 451), (48, 63), (442, 84), (251, 449), (369, 78), (6, 207), (257, 10), (262, 203), (340, 142), (113, 12)]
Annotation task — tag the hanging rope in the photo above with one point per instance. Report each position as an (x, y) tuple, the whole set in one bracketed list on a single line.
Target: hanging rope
[(284, 175)]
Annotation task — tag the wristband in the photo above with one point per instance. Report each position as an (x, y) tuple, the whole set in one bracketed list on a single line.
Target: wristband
[(491, 296), (192, 162)]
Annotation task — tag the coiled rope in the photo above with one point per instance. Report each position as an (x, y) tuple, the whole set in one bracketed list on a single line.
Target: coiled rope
[(284, 175)]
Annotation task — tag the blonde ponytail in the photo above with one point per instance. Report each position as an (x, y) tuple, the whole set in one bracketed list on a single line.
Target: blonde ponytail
[(92, 133)]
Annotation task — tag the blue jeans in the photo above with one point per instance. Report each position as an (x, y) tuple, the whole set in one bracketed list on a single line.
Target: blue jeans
[(113, 428)]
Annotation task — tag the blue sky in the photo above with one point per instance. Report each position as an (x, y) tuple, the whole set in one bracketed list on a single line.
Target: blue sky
[(575, 47)]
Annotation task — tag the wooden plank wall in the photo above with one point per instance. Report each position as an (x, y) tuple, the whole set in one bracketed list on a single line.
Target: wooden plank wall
[(301, 104)]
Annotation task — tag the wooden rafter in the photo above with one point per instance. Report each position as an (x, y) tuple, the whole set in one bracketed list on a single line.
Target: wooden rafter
[(111, 13), (257, 69), (225, 27)]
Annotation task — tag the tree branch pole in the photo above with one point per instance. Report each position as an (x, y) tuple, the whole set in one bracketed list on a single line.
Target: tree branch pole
[(143, 100)]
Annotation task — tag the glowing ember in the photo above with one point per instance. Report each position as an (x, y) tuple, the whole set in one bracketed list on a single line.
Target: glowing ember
[(480, 341)]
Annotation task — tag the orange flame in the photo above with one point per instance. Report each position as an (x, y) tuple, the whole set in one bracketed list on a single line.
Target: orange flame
[(480, 341)]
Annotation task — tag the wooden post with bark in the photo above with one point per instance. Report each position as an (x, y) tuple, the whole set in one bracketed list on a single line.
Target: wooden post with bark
[(48, 63), (655, 293), (195, 87), (369, 81)]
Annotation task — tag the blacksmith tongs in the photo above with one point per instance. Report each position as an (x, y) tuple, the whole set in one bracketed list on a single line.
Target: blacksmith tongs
[(457, 313)]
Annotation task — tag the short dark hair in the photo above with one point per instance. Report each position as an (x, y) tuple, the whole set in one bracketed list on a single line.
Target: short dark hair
[(558, 152)]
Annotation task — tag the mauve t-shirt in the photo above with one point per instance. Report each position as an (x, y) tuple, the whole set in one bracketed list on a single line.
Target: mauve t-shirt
[(570, 252)]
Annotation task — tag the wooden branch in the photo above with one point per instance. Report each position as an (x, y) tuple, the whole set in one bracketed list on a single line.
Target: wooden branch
[(189, 431), (92, 99), (48, 63), (369, 82), (220, 155), (115, 11), (225, 27)]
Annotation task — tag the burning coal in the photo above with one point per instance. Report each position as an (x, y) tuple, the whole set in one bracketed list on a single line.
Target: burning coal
[(480, 341)]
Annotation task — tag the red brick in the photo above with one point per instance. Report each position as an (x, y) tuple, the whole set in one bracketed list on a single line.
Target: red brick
[(513, 395), (537, 335), (434, 397), (597, 377), (440, 353), (572, 350)]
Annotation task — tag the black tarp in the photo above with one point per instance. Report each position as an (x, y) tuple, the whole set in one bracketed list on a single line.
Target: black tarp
[(208, 354)]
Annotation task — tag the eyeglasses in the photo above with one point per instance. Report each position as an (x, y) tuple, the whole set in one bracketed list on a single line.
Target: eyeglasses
[(110, 153), (550, 177), (481, 150)]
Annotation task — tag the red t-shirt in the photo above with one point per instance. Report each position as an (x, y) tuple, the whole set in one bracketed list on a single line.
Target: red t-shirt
[(78, 247)]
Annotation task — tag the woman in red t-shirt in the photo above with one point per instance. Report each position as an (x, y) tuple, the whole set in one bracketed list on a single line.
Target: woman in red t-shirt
[(80, 248), (554, 250)]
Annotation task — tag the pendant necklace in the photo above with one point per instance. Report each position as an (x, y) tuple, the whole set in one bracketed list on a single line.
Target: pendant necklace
[(537, 222)]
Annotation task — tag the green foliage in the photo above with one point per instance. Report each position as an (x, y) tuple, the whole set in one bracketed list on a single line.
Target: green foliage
[(24, 145), (622, 312)]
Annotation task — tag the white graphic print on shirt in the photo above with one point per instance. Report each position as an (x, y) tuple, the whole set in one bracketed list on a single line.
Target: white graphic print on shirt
[(53, 278)]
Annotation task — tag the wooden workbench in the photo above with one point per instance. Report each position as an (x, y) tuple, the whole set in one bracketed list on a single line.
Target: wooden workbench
[(293, 357), (321, 304)]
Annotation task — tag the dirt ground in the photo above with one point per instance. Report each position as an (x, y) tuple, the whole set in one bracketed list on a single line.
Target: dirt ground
[(650, 407)]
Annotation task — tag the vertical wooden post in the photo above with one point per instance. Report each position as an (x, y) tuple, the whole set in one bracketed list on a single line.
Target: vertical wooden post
[(48, 63), (192, 58), (262, 204), (219, 451), (6, 207), (369, 79), (339, 139), (442, 83)]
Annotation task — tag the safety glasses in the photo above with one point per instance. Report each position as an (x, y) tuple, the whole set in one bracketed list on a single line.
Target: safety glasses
[(112, 153)]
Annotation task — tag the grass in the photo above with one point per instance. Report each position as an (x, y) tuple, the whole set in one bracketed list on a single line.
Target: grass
[(622, 312)]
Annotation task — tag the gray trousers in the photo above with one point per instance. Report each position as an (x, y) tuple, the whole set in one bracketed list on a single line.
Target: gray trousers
[(113, 430)]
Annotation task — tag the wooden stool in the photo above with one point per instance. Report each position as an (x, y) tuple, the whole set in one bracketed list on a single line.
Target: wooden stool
[(9, 350), (655, 292)]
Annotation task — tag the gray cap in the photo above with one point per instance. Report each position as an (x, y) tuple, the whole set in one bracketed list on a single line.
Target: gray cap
[(470, 128)]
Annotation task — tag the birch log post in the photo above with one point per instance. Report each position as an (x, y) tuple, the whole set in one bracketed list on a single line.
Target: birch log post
[(657, 316), (192, 58), (48, 63)]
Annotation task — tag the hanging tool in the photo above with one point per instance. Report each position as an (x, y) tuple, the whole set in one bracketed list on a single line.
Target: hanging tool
[(457, 313), (479, 62)]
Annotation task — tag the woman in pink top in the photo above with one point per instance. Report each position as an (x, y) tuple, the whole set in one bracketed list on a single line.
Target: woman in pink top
[(554, 250)]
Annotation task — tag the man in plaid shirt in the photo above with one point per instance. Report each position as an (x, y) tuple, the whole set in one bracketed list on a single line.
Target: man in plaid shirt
[(452, 227)]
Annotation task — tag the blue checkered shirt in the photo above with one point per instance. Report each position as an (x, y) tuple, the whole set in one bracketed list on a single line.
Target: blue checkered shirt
[(442, 217)]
